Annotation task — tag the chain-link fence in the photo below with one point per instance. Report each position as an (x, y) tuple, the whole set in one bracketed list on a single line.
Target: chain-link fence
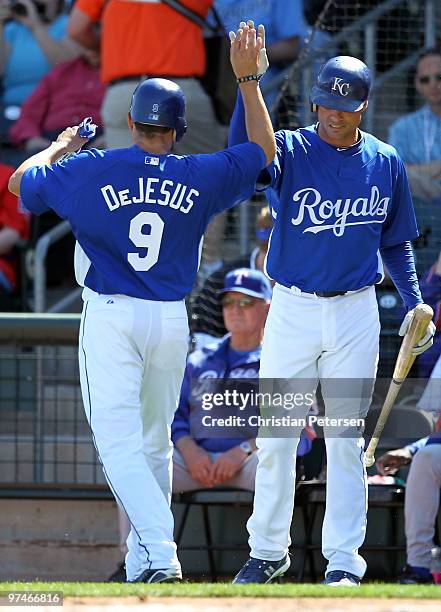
[(44, 435)]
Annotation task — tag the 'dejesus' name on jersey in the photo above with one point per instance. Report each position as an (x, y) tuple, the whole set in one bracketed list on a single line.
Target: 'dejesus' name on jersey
[(139, 218), (334, 210)]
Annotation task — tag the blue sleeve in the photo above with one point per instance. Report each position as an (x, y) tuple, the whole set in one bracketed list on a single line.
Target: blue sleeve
[(58, 28), (181, 422), (400, 224), (400, 263), (304, 446), (237, 134), (434, 438), (231, 174), (52, 186), (416, 446)]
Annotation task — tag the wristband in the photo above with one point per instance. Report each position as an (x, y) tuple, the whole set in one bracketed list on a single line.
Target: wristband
[(249, 77)]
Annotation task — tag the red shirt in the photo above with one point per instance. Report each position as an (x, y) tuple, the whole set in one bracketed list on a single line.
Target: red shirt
[(14, 216), (71, 91)]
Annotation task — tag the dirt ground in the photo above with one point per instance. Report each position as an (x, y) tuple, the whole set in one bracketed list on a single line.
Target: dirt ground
[(131, 604)]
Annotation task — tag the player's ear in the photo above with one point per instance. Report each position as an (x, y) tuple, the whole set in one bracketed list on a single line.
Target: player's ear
[(129, 122), (365, 105)]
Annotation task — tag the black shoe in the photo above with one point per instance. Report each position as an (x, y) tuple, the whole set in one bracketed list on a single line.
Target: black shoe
[(170, 574), (258, 571), (341, 578), (409, 576), (119, 575)]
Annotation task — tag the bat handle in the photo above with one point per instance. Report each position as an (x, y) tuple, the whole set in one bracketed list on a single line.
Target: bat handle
[(369, 456)]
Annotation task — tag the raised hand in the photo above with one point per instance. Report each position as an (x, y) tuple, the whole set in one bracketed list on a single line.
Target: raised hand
[(246, 45)]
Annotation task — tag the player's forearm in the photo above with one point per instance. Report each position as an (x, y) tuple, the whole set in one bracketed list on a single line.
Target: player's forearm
[(8, 239), (185, 444), (49, 156), (237, 132), (257, 119), (400, 262)]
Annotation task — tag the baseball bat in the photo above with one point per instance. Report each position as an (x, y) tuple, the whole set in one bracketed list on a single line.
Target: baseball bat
[(420, 320)]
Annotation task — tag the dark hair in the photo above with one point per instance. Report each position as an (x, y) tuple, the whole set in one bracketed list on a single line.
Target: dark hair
[(150, 130), (426, 53)]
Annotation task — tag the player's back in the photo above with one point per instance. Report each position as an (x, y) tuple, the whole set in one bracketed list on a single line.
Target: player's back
[(138, 217)]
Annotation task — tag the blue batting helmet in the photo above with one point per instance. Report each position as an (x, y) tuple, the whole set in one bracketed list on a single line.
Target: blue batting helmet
[(159, 102), (343, 83)]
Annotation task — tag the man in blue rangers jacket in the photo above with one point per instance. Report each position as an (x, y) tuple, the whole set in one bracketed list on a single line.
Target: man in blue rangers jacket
[(231, 461)]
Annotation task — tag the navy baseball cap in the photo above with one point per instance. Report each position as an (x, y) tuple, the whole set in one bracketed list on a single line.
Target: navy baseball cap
[(249, 282)]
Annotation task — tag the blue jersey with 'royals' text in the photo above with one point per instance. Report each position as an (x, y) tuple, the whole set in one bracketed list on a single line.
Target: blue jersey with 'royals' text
[(334, 209), (139, 218)]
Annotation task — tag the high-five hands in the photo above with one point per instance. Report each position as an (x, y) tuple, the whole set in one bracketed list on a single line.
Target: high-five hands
[(248, 53)]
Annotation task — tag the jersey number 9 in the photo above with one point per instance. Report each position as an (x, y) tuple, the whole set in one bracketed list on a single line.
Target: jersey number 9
[(152, 241)]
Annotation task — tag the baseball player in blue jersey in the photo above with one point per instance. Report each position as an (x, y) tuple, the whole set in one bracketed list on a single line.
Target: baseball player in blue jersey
[(139, 215), (341, 205)]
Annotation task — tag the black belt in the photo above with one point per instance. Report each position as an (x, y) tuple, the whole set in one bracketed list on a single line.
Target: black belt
[(141, 77), (326, 294)]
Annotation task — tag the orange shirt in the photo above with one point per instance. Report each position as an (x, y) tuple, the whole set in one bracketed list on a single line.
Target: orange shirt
[(147, 38)]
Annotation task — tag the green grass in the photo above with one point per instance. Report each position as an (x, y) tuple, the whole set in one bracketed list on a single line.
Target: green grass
[(103, 589)]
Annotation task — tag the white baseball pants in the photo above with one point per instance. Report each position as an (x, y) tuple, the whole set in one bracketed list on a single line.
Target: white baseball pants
[(313, 339), (421, 504), (132, 356)]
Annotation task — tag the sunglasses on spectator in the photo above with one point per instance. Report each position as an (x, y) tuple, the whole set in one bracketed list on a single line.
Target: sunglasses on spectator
[(426, 78), (229, 302)]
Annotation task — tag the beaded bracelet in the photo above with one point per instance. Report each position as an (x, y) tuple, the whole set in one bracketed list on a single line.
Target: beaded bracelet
[(249, 77)]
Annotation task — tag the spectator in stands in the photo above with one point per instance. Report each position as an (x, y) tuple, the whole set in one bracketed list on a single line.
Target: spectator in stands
[(220, 461), (14, 225), (207, 316), (421, 502), (140, 39), (284, 28), (32, 40), (71, 91), (417, 138), (148, 39)]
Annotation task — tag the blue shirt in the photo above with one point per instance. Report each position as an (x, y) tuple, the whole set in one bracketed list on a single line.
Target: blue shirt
[(417, 136), (333, 210), (139, 218), (26, 63), (281, 19)]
